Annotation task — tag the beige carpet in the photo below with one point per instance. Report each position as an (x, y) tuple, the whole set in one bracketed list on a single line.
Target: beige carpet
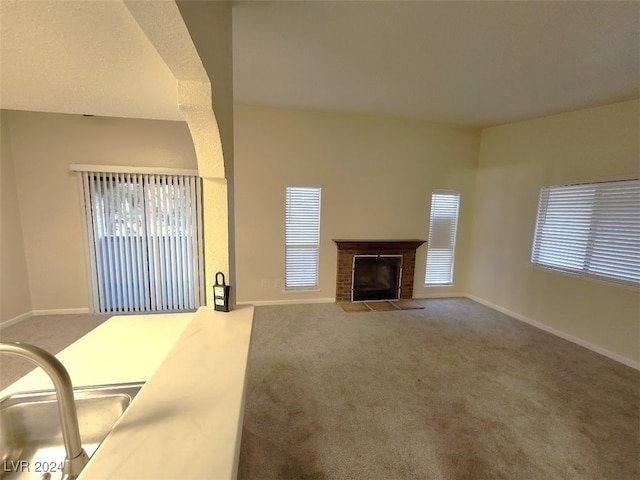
[(50, 332), (454, 391)]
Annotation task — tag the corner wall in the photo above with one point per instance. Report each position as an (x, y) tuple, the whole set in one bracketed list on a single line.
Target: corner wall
[(515, 161), (43, 147), (376, 173), (15, 297)]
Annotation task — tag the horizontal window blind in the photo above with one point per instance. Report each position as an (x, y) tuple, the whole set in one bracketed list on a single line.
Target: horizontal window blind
[(443, 223), (302, 237), (591, 229), (144, 237)]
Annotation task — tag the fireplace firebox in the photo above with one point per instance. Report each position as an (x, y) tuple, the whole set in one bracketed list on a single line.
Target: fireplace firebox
[(376, 277)]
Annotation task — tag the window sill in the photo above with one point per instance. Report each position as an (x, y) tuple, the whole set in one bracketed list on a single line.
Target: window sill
[(583, 276)]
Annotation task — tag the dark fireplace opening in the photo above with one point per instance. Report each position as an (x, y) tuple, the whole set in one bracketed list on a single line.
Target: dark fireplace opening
[(376, 277)]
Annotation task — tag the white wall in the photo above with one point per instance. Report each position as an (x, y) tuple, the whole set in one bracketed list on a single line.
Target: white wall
[(376, 174), (515, 161), (43, 147), (15, 298)]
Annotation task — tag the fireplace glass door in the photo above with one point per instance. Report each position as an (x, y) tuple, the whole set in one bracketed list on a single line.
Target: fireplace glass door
[(376, 277)]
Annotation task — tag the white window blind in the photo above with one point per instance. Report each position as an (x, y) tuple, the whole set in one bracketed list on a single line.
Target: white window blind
[(144, 237), (441, 246), (302, 237), (590, 229)]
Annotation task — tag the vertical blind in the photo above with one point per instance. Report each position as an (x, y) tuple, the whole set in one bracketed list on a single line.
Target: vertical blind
[(144, 237), (302, 237), (443, 223), (591, 229)]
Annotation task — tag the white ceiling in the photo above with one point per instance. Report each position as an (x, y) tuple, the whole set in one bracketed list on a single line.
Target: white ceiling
[(467, 63), (84, 57)]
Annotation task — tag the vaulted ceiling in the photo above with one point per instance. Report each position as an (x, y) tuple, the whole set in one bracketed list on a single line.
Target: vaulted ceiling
[(465, 63), (469, 63)]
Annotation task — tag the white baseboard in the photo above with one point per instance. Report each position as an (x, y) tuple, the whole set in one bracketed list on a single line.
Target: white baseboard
[(559, 333), (36, 313), (425, 296), (302, 301), (60, 311), (14, 320)]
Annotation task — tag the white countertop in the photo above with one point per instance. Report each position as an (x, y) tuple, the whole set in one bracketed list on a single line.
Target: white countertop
[(125, 348), (186, 422)]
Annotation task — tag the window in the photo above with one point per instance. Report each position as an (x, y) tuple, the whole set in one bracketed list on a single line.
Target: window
[(441, 246), (302, 237), (144, 238), (590, 229)]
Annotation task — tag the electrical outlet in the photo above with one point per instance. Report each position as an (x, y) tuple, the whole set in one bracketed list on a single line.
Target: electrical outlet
[(277, 283), (264, 283)]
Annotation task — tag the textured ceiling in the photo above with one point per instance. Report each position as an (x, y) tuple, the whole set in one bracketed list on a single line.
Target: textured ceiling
[(466, 63), (87, 57)]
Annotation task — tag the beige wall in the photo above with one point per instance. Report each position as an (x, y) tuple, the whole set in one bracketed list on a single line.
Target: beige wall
[(43, 146), (15, 298), (515, 161), (376, 175)]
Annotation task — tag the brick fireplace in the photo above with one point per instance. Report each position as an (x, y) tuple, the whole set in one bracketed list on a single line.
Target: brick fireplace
[(348, 249)]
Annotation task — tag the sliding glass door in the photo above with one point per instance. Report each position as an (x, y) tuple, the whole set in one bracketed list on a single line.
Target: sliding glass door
[(144, 238)]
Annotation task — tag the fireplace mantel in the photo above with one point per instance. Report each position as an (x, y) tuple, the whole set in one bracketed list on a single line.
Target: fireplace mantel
[(378, 244), (347, 249)]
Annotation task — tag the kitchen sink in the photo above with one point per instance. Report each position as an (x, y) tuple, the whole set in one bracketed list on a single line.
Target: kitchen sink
[(31, 443)]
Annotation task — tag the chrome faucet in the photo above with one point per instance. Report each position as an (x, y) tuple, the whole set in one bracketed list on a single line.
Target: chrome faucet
[(76, 457)]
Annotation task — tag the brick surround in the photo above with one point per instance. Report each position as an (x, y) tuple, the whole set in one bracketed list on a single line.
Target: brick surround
[(348, 248)]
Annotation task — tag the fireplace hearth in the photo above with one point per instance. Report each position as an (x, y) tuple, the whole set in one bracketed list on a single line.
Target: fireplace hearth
[(375, 269)]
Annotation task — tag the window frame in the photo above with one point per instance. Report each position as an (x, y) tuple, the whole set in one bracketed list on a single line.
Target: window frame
[(452, 236), (126, 271), (289, 284), (589, 222)]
